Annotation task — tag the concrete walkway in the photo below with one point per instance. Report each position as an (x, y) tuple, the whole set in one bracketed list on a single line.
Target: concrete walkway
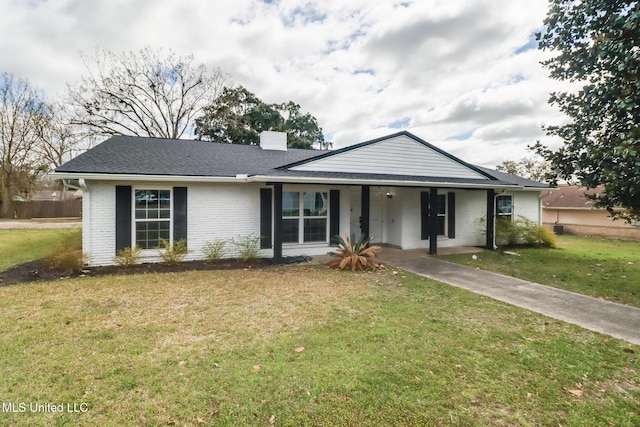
[(617, 320)]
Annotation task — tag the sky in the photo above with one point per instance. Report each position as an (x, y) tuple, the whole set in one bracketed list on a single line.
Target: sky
[(463, 75)]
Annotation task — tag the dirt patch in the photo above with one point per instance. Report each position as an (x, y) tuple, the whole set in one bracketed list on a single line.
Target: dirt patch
[(39, 270)]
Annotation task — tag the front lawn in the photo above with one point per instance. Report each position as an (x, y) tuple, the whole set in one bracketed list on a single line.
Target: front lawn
[(300, 345), (608, 269), (18, 246)]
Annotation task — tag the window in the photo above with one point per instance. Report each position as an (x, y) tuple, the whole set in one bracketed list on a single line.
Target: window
[(445, 215), (304, 217), (442, 214), (504, 207), (152, 217)]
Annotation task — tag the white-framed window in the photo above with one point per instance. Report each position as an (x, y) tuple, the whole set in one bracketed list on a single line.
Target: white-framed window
[(504, 207), (442, 214), (152, 217), (305, 216)]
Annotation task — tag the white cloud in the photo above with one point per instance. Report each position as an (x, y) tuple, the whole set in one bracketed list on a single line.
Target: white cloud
[(461, 75)]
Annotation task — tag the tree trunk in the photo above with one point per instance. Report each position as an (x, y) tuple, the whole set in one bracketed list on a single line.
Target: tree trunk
[(6, 204)]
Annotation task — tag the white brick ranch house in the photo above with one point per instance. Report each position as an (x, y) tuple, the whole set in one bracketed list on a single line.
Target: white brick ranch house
[(398, 189)]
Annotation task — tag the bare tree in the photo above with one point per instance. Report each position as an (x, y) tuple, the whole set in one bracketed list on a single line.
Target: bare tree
[(22, 109), (142, 93), (526, 167), (59, 139)]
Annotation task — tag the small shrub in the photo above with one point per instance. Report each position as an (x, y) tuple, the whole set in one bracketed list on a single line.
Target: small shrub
[(68, 260), (69, 240), (355, 254), (523, 231), (213, 251), (67, 254), (548, 238), (248, 247), (173, 254), (128, 257)]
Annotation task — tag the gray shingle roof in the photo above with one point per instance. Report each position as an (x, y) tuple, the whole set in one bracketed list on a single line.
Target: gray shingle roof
[(514, 179), (156, 156)]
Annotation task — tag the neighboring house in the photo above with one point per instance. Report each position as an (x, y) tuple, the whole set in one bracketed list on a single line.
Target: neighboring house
[(569, 210), (398, 189)]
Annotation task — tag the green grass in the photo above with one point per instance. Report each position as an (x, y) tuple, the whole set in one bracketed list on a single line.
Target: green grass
[(608, 269), (219, 348), (18, 246)]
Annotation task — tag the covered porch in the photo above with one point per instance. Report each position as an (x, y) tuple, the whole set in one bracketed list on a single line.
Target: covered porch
[(428, 220)]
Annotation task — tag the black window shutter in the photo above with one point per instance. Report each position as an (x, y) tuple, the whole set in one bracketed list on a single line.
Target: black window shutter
[(123, 217), (334, 213), (265, 218), (424, 215), (179, 213), (451, 214)]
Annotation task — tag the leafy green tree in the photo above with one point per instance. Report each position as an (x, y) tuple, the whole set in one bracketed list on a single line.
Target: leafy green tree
[(238, 116), (526, 167), (596, 43)]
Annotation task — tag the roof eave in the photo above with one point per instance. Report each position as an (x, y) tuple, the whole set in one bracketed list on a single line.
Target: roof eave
[(241, 178), (386, 183), (139, 177)]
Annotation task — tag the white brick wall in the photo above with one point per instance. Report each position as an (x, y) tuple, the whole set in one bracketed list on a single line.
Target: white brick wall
[(526, 203), (222, 212), (100, 239), (471, 212), (232, 211)]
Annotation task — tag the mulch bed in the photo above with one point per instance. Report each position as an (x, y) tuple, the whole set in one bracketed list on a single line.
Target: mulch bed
[(39, 270)]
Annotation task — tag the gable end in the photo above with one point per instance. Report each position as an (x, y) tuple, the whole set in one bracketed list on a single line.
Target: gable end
[(398, 154)]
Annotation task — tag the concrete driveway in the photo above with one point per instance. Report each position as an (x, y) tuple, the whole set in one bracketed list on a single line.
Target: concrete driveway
[(618, 320)]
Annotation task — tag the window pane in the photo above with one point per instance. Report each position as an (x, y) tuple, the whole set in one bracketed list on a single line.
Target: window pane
[(290, 229), (164, 198), (503, 205), (315, 204), (148, 234), (141, 197), (290, 204), (315, 230), (442, 204), (441, 226)]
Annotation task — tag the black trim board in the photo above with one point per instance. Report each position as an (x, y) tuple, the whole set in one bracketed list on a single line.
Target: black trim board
[(266, 218), (433, 221), (424, 215), (365, 206), (179, 213), (491, 218), (277, 223), (451, 215), (334, 214), (123, 217)]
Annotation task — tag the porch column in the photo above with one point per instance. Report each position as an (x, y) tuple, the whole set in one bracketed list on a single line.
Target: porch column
[(364, 211), (491, 216), (433, 221), (277, 223)]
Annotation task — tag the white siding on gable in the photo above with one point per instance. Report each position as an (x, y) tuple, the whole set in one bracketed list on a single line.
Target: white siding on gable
[(400, 155)]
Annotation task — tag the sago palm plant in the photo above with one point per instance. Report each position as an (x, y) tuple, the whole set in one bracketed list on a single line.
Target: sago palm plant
[(355, 254)]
